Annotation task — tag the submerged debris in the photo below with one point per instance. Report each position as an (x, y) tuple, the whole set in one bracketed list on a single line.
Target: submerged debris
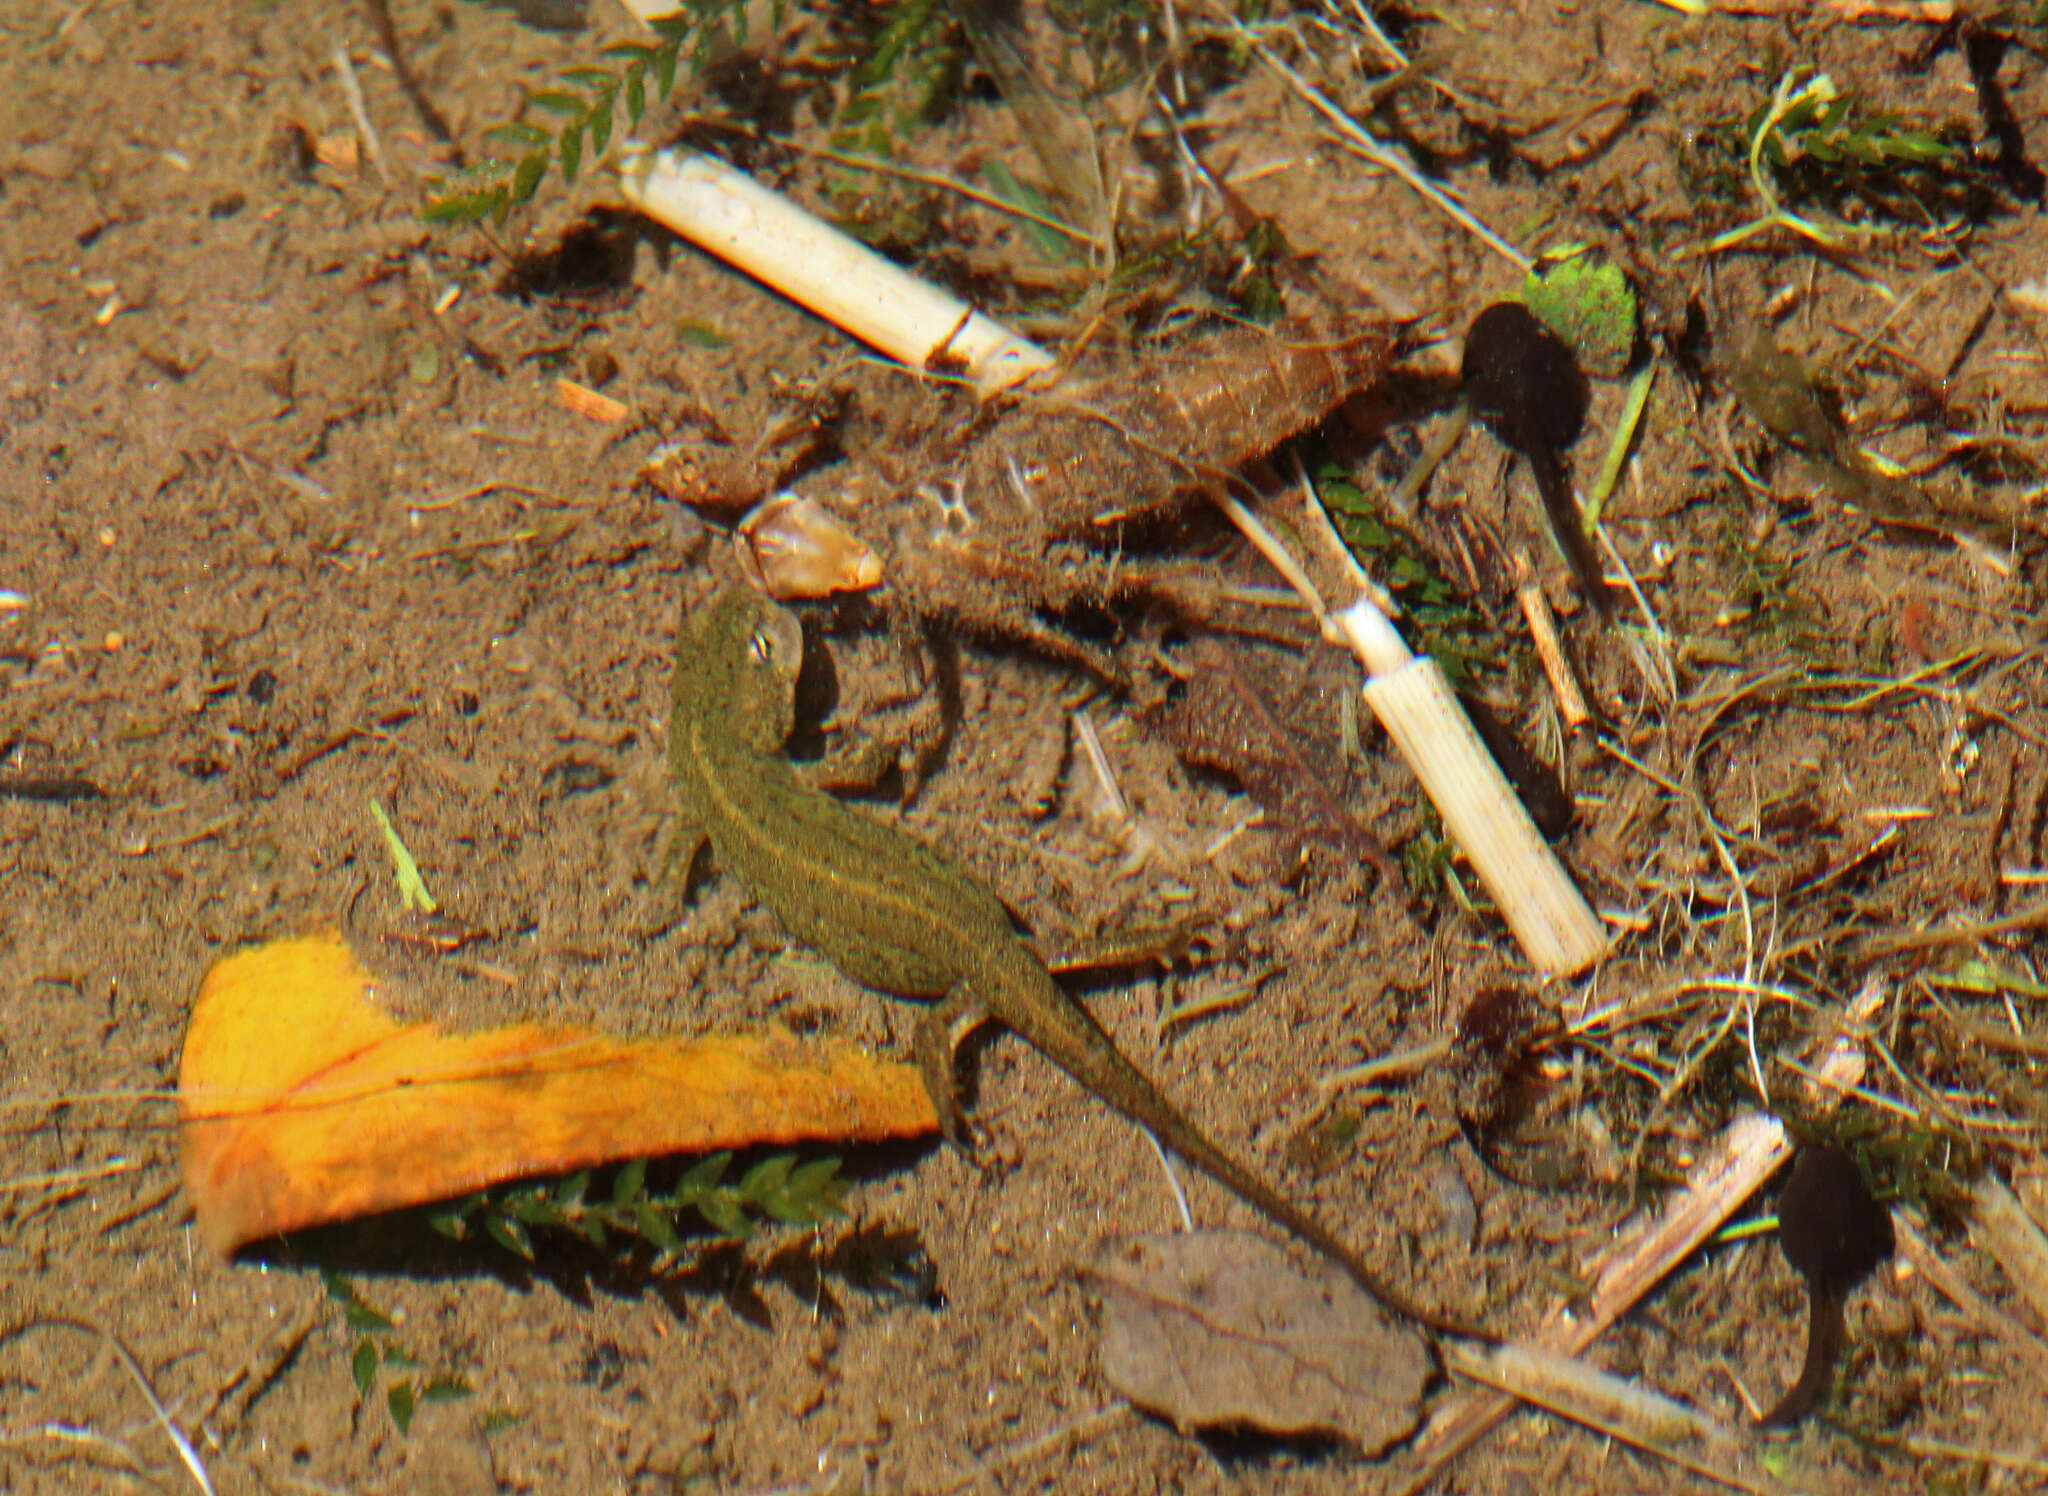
[(1088, 456)]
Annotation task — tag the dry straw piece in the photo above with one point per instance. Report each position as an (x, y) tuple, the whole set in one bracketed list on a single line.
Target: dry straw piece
[(730, 215), (1413, 699)]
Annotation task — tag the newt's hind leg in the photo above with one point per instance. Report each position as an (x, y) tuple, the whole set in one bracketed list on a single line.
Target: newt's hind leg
[(934, 1045)]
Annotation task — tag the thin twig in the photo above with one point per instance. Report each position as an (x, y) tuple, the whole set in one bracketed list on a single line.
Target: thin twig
[(186, 1453), (1094, 1421), (1317, 517), (352, 91), (2032, 917), (1269, 545), (1180, 1196), (64, 1178), (1360, 141), (883, 167), (1646, 1421)]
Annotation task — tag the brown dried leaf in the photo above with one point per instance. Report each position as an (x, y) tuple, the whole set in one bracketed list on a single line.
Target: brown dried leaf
[(1217, 1329), (1272, 746)]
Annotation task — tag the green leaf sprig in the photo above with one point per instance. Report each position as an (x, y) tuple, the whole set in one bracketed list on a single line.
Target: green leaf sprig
[(779, 1187), (377, 1352)]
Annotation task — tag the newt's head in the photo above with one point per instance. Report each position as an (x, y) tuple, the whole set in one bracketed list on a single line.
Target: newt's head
[(747, 651)]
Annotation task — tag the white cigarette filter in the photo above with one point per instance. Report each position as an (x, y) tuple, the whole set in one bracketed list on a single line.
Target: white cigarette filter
[(730, 215)]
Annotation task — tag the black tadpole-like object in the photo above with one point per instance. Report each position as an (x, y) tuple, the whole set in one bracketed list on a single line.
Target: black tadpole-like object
[(1525, 386), (1835, 1234)]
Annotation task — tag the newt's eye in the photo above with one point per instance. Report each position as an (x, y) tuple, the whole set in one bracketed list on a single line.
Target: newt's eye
[(763, 646)]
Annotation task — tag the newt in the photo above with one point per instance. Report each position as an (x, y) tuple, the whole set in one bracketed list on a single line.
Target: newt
[(897, 915)]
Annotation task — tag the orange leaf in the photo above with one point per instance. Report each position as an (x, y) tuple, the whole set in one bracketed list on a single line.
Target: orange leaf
[(299, 1104)]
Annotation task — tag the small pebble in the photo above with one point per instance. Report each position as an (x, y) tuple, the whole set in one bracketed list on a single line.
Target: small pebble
[(51, 160), (86, 44), (1461, 1214)]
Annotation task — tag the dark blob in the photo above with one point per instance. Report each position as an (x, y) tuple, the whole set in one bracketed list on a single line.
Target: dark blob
[(1523, 381), (1835, 1234), (57, 789), (1525, 386)]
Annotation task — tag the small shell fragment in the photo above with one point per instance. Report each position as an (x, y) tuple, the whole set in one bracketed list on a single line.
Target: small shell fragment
[(793, 547), (340, 151)]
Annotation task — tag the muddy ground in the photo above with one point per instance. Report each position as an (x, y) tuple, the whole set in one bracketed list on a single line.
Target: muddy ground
[(283, 528)]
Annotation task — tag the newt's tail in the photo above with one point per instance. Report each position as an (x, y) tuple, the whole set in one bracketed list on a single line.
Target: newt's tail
[(1068, 1035)]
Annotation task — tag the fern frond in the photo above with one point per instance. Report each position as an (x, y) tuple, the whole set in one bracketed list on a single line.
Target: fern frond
[(907, 73), (586, 99)]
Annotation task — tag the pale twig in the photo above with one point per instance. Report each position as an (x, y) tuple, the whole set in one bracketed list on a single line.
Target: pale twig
[(1199, 188), (1131, 831), (75, 1434), (72, 17), (1317, 517), (1921, 1447), (1269, 545), (1094, 1421), (1435, 448), (732, 216), (1180, 1196), (1369, 24), (1110, 801), (352, 91), (1607, 1404), (1951, 1284), (1402, 1062), (67, 1178), (1219, 1000), (2032, 917), (1552, 923), (1657, 666), (1360, 141)]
